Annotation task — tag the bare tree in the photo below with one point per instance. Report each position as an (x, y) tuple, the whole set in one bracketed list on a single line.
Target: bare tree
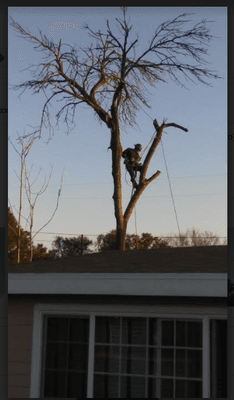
[(25, 148), (194, 238), (28, 188), (111, 78)]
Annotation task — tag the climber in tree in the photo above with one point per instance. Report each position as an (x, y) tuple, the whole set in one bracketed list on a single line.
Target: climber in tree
[(131, 161)]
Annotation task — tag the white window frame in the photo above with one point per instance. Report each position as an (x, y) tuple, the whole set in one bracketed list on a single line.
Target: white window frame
[(43, 309)]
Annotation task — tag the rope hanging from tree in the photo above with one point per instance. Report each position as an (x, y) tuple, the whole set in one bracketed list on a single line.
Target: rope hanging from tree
[(155, 123)]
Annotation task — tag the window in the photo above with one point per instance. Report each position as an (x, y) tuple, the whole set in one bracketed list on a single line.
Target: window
[(128, 350), (147, 358), (65, 357), (135, 357)]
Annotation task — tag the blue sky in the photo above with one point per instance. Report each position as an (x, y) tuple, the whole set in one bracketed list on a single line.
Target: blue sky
[(196, 160)]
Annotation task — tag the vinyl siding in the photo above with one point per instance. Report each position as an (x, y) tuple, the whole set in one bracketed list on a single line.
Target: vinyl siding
[(20, 319)]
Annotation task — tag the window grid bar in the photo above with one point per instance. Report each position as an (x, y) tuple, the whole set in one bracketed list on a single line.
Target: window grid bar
[(158, 358), (150, 376), (45, 322), (67, 354), (206, 359), (186, 353), (146, 366), (90, 377), (213, 371), (150, 346), (120, 358), (174, 354)]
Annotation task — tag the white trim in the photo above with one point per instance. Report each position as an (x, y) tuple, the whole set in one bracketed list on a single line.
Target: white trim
[(42, 309), (36, 352), (145, 284)]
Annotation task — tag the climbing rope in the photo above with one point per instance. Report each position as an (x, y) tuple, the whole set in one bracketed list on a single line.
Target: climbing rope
[(171, 190), (167, 174)]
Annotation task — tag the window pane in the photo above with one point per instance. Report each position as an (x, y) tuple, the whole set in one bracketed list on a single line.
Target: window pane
[(79, 330), (167, 361), (133, 360), (194, 363), (76, 385), (167, 333), (180, 363), (154, 361), (180, 389), (167, 388), (134, 331), (66, 358), (78, 357), (194, 389), (189, 334), (107, 330), (153, 331), (181, 333), (55, 384), (194, 334), (153, 384), (56, 355), (105, 386), (57, 328), (132, 387), (188, 389), (106, 359)]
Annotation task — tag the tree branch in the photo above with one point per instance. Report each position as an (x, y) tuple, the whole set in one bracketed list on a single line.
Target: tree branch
[(154, 176), (176, 126)]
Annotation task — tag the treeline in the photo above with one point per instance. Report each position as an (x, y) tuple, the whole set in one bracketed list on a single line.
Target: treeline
[(80, 245)]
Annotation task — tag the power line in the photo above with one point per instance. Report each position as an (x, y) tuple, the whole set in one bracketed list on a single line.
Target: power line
[(147, 197), (76, 234), (108, 183)]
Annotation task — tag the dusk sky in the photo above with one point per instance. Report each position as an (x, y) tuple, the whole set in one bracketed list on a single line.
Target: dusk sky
[(196, 160)]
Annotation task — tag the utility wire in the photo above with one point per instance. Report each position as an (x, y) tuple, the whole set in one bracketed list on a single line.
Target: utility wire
[(168, 237), (108, 183)]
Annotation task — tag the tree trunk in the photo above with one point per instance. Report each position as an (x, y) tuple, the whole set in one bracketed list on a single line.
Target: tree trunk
[(20, 206), (116, 148)]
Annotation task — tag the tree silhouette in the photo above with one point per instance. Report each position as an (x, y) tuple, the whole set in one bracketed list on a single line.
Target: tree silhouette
[(40, 252), (132, 242), (66, 247), (111, 77), (194, 238), (190, 238)]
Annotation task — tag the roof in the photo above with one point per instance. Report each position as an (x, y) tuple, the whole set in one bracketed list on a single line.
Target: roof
[(209, 259)]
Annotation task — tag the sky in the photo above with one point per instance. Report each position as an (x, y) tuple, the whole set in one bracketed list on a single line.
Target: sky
[(196, 160)]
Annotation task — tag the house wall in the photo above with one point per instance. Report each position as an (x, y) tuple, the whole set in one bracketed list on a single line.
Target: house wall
[(20, 324), (20, 319)]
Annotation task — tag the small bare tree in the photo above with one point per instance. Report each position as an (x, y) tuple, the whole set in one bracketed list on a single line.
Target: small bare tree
[(111, 78), (28, 188), (194, 238), (25, 148)]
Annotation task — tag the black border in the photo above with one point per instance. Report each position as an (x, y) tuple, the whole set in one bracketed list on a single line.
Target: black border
[(3, 208)]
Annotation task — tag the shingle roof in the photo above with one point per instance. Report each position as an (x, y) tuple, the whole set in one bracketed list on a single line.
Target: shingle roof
[(211, 259)]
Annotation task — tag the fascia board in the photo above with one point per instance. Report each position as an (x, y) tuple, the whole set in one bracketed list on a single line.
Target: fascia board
[(141, 284)]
